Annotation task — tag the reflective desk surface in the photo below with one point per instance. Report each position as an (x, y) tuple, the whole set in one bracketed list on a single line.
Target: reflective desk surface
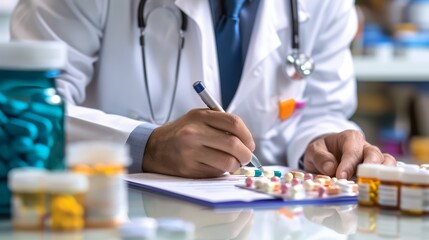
[(293, 222)]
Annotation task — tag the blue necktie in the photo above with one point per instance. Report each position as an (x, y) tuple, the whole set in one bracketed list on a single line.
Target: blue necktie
[(229, 50)]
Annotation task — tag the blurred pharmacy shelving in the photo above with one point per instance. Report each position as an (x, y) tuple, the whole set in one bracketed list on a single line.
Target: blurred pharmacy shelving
[(6, 7)]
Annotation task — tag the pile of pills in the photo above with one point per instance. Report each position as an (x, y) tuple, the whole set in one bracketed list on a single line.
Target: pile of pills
[(26, 129), (296, 185)]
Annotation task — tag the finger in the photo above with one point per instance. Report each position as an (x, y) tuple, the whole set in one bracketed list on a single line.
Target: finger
[(352, 155), (218, 159), (389, 160), (372, 154), (226, 143), (230, 123), (318, 159), (202, 170)]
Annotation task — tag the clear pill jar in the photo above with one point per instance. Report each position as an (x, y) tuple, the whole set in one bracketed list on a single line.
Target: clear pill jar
[(367, 179), (65, 200), (415, 192), (31, 111), (105, 165), (389, 188), (28, 199)]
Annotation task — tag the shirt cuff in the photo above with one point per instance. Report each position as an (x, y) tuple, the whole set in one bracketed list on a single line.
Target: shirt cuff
[(137, 143)]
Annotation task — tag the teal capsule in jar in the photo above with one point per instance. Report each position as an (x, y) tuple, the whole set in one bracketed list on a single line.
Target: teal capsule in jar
[(31, 110)]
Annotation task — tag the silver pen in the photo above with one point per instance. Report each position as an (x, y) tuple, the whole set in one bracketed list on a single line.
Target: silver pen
[(213, 105)]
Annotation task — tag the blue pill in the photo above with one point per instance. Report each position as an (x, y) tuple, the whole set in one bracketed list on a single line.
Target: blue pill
[(14, 107), (6, 152), (3, 117), (22, 144), (39, 152), (43, 124), (47, 140), (17, 163), (38, 164), (19, 127), (52, 112), (3, 135), (3, 99)]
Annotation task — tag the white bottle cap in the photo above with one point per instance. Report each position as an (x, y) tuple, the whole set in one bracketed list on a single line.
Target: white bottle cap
[(26, 179), (91, 153), (417, 177), (392, 174), (66, 182), (410, 167), (368, 170), (33, 55)]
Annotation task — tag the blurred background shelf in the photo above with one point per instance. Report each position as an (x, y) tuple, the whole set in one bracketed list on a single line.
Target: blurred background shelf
[(370, 69)]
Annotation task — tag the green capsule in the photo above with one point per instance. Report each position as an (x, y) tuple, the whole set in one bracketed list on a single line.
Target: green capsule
[(19, 127), (258, 173), (51, 112), (3, 117), (3, 135), (39, 152), (277, 173), (22, 144), (43, 124), (14, 107)]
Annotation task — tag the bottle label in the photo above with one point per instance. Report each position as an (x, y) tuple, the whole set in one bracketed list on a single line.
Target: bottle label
[(388, 195), (363, 192), (412, 198)]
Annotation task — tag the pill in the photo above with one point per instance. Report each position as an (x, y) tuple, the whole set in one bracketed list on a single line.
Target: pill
[(17, 163), (6, 152), (52, 112), (321, 191), (39, 152), (44, 125), (259, 182), (308, 185), (333, 190), (14, 107), (308, 176), (3, 99), (3, 117), (277, 173), (258, 173), (295, 181), (323, 176), (19, 127), (268, 187), (3, 135), (297, 192), (46, 140), (284, 188), (275, 179), (288, 177), (249, 182), (299, 175), (268, 173), (22, 144)]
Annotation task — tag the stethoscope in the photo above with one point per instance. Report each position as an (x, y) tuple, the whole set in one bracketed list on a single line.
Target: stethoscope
[(298, 65)]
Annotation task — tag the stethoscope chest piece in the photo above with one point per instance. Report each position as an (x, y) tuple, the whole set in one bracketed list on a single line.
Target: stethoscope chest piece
[(299, 66)]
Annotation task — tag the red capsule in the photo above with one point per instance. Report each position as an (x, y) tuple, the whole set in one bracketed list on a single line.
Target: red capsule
[(295, 181), (249, 182), (275, 179), (321, 191), (308, 176), (284, 188)]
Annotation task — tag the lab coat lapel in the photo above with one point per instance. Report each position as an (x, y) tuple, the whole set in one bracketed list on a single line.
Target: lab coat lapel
[(273, 17), (199, 12)]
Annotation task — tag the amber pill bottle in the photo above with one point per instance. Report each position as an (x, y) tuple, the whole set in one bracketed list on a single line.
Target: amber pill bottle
[(367, 179), (389, 187)]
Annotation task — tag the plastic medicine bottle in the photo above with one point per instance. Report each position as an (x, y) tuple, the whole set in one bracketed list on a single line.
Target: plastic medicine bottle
[(368, 182), (31, 111), (389, 188), (105, 165), (28, 199), (65, 200), (415, 192)]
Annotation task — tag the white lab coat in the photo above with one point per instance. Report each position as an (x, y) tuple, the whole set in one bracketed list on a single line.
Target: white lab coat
[(104, 70)]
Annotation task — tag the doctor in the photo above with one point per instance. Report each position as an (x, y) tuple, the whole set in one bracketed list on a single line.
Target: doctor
[(107, 93)]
